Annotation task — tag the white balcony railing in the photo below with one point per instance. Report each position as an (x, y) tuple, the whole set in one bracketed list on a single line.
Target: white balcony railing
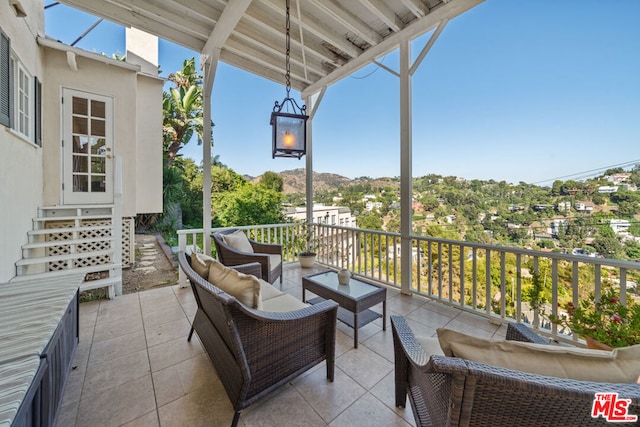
[(456, 273)]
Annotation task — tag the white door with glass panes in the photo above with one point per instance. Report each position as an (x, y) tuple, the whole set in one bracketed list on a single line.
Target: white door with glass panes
[(87, 148)]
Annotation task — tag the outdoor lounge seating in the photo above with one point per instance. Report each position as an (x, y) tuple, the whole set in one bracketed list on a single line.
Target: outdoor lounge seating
[(232, 249), (453, 391), (256, 351)]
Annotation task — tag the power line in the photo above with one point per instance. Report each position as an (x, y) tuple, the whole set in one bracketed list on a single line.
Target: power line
[(589, 172)]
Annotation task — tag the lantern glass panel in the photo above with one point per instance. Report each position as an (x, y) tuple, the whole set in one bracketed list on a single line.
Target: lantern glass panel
[(290, 132)]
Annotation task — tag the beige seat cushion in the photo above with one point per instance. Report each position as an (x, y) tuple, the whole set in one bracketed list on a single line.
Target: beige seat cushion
[(243, 287), (282, 303), (268, 291), (621, 365), (431, 345), (238, 241), (200, 264)]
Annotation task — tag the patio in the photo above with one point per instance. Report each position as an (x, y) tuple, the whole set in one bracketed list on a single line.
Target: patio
[(134, 366)]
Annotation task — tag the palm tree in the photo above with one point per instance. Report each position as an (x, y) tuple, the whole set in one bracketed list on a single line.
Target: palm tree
[(182, 110)]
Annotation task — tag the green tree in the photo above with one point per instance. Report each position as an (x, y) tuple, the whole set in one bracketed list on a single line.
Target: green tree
[(632, 248), (248, 205), (370, 221), (607, 246), (272, 181), (182, 110)]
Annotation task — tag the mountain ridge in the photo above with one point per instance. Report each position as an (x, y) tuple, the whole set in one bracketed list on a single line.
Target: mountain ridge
[(294, 181)]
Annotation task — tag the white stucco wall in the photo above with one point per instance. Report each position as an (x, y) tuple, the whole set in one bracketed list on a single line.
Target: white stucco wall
[(93, 76), (21, 161), (149, 145)]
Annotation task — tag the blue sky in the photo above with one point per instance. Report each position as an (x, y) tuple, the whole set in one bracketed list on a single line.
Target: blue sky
[(512, 90)]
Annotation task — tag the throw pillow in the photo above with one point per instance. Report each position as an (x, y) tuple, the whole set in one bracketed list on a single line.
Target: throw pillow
[(618, 366), (243, 287), (238, 241), (200, 264)]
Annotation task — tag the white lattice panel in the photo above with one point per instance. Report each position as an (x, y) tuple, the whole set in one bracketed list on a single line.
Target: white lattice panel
[(58, 237), (80, 247), (128, 241)]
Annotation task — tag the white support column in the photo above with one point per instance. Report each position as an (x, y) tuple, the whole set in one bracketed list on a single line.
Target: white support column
[(209, 65), (116, 223), (406, 190), (312, 102)]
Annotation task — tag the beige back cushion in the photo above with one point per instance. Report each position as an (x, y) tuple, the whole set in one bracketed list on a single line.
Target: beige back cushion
[(618, 366), (200, 264), (243, 287), (238, 241)]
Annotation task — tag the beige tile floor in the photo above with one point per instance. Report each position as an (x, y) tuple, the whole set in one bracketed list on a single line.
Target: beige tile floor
[(134, 367)]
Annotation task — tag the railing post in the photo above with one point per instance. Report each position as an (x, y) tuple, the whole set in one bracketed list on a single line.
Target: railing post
[(182, 246), (405, 167)]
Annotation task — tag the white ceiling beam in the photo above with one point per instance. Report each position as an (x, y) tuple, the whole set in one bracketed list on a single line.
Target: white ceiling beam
[(126, 17), (323, 32), (416, 7), (386, 15), (416, 28), (250, 66), (263, 59), (262, 45), (321, 52), (197, 8), (348, 21), (171, 18), (230, 17)]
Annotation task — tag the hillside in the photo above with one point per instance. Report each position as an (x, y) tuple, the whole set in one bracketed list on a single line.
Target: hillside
[(294, 181)]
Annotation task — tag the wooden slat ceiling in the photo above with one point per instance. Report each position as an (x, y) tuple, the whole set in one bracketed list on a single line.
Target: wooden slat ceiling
[(337, 37)]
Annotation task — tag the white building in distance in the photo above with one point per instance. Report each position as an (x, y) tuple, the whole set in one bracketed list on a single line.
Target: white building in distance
[(331, 215)]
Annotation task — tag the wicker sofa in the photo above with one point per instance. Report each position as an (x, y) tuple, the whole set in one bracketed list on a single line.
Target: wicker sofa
[(451, 391), (256, 351), (269, 256)]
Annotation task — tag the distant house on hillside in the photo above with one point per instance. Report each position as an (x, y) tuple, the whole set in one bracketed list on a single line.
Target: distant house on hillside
[(603, 189), (555, 225), (585, 207), (618, 178), (331, 215), (416, 205), (564, 206), (370, 206), (619, 225)]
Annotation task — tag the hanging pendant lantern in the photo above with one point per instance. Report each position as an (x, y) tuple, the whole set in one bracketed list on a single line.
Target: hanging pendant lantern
[(289, 127)]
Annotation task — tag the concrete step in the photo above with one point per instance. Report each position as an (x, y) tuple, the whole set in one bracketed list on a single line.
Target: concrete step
[(54, 274), (45, 231), (70, 218), (70, 242), (109, 283), (64, 257), (74, 210)]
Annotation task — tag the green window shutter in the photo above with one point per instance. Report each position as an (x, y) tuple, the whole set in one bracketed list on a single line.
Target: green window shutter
[(37, 117), (5, 80)]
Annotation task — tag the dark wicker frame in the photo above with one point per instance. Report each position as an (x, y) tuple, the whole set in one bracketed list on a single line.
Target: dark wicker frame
[(448, 391), (255, 352), (231, 257)]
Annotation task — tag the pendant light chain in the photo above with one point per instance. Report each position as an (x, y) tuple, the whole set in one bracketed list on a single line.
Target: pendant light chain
[(288, 50), (289, 128)]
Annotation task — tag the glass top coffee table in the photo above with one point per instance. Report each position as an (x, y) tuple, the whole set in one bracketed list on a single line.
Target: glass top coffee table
[(355, 299)]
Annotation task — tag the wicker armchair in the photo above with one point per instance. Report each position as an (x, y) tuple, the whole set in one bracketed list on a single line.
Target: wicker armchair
[(230, 256), (449, 391), (255, 352)]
